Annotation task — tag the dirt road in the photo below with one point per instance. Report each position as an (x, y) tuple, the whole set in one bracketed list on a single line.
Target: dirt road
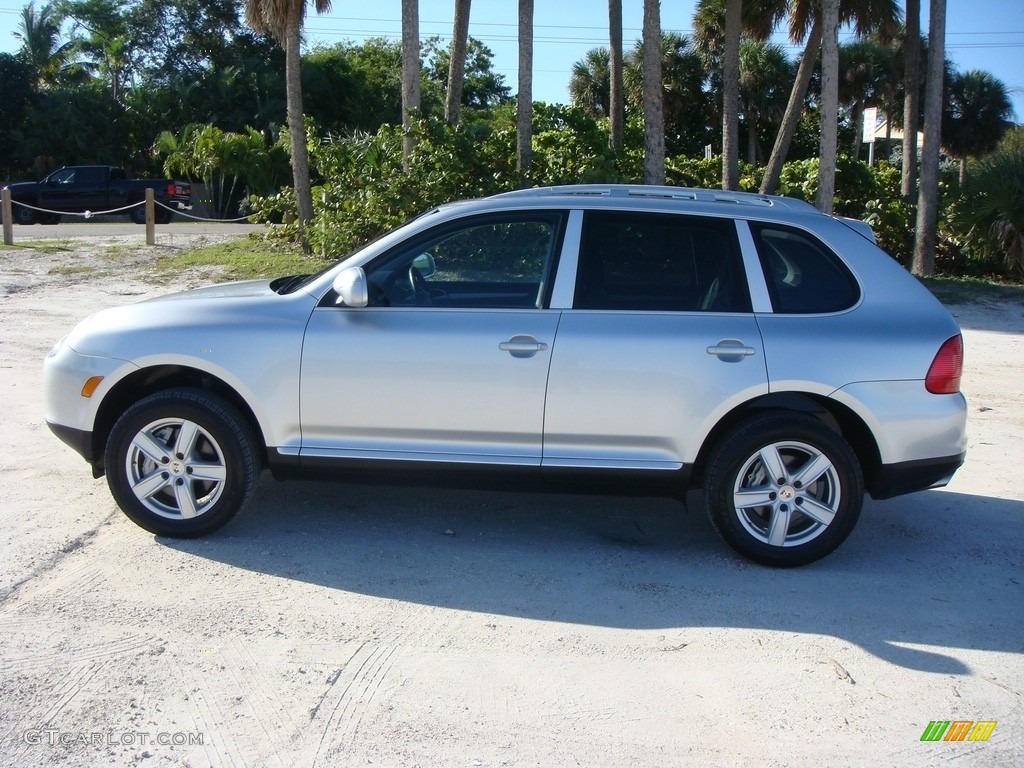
[(338, 625)]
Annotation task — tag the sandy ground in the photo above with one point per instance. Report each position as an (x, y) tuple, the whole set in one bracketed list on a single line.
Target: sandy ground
[(336, 625)]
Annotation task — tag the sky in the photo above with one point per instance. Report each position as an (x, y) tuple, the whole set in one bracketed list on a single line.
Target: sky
[(980, 34)]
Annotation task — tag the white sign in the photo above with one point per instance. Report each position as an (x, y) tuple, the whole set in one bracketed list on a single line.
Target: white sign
[(870, 120)]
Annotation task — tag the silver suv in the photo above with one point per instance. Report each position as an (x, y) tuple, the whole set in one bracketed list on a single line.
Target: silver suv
[(598, 338)]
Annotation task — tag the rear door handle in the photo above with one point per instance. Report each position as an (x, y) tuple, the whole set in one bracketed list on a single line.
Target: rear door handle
[(731, 350), (522, 346)]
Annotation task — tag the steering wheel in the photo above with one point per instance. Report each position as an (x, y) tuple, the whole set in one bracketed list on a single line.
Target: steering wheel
[(419, 287)]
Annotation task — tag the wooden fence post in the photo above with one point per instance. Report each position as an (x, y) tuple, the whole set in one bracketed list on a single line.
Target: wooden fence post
[(150, 218), (7, 216)]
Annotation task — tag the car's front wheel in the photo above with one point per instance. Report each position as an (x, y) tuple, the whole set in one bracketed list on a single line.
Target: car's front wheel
[(23, 215), (181, 462), (783, 489)]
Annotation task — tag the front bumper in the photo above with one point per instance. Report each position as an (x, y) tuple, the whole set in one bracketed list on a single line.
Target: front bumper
[(78, 439)]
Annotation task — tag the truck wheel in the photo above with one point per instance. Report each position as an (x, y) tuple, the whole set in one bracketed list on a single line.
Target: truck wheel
[(21, 214), (783, 489), (138, 214), (163, 216), (181, 462), (49, 218)]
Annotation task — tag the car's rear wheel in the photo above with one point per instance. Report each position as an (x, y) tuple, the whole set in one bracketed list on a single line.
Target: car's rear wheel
[(137, 214), (181, 462), (783, 489)]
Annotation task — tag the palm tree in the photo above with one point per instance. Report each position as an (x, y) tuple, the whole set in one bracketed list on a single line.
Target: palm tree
[(616, 94), (282, 19), (718, 26), (977, 115), (51, 60), (867, 76), (524, 100), (805, 24), (911, 102), (410, 71), (685, 105), (590, 83), (829, 112), (731, 94), (765, 76), (991, 210), (923, 263), (457, 64), (654, 120)]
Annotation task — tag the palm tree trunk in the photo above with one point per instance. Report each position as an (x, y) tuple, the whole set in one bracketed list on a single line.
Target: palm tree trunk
[(731, 94), (410, 71), (928, 192), (296, 126), (457, 65), (911, 84), (829, 105), (751, 142), (654, 120), (794, 109), (617, 100), (524, 101)]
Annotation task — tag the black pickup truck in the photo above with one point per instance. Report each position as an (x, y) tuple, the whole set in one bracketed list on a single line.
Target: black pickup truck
[(95, 188)]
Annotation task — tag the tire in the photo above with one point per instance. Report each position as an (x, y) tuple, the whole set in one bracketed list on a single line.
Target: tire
[(783, 521), (49, 218), (181, 462), (163, 216), (22, 215), (138, 214)]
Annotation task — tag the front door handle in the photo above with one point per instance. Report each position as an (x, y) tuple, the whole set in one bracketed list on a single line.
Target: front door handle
[(522, 346), (731, 350)]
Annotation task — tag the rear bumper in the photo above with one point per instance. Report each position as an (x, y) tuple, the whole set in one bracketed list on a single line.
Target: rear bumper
[(910, 476)]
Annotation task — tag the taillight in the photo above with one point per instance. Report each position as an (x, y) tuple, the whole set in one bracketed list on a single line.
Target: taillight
[(944, 373), (172, 190)]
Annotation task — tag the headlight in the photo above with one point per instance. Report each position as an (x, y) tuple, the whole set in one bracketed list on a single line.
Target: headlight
[(56, 348)]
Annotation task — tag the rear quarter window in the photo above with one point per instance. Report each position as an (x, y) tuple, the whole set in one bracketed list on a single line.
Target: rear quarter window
[(804, 276)]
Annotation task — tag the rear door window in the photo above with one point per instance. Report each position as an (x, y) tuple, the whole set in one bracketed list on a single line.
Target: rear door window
[(660, 262)]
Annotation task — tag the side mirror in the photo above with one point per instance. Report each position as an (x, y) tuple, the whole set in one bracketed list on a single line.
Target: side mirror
[(351, 287), (424, 264)]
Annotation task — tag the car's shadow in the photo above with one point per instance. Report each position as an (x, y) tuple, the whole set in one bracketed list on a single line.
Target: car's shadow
[(920, 574)]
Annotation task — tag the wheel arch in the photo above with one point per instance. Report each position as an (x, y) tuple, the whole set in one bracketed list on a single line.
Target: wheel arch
[(146, 381), (836, 416)]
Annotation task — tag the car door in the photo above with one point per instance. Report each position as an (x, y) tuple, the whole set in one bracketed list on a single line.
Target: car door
[(82, 188), (449, 360), (659, 344)]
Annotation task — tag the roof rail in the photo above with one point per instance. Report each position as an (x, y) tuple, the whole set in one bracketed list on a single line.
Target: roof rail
[(662, 192)]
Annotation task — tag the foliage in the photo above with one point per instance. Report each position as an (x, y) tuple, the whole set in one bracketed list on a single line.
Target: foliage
[(227, 163), (569, 147), (365, 190), (242, 259), (976, 113), (482, 87), (990, 209)]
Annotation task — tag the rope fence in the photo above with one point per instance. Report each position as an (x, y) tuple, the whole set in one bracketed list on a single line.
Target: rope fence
[(7, 214)]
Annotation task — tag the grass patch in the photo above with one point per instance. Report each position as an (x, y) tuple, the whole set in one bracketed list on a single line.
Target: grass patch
[(72, 269), (42, 246), (244, 259), (971, 290)]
